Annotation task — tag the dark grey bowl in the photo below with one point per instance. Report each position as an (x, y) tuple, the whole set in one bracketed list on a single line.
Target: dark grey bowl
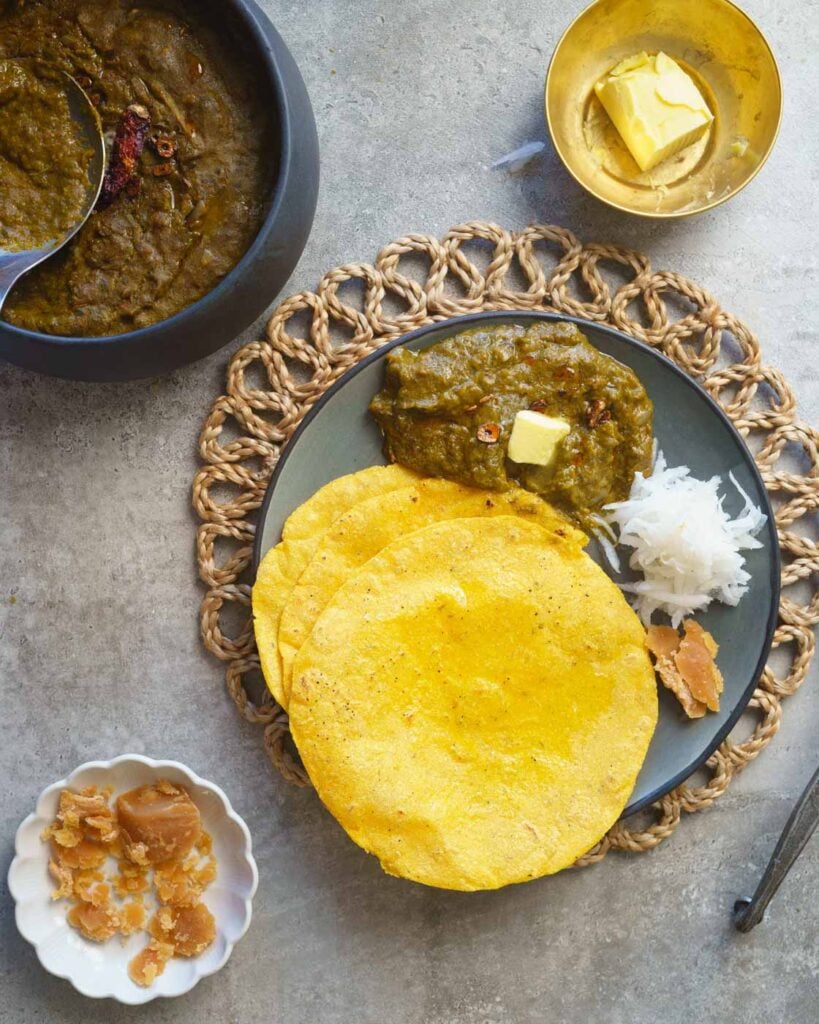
[(253, 283)]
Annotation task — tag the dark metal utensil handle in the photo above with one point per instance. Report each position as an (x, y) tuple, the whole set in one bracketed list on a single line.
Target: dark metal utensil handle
[(798, 830)]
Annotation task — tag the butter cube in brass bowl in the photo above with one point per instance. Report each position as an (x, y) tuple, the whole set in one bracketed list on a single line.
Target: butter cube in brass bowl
[(730, 63)]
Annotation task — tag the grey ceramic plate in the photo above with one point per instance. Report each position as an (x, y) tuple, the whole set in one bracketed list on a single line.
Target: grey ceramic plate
[(338, 436)]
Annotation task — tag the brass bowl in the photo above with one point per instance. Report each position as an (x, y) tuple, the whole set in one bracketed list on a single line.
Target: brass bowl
[(728, 58)]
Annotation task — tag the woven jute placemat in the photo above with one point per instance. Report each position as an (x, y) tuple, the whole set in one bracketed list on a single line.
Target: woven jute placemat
[(314, 337)]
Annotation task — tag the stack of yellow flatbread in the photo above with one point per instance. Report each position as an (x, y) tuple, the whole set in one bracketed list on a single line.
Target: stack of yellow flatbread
[(470, 694)]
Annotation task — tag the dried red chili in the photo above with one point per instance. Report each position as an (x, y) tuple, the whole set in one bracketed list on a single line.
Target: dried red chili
[(129, 141), (162, 170), (489, 433)]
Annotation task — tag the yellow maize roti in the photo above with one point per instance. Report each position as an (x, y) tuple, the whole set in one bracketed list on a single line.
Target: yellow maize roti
[(474, 703), (371, 525), (282, 565)]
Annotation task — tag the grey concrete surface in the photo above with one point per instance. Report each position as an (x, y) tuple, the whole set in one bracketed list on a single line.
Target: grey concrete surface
[(99, 651)]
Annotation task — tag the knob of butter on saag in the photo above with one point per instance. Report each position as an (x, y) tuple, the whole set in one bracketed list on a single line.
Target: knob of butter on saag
[(655, 106), (535, 437)]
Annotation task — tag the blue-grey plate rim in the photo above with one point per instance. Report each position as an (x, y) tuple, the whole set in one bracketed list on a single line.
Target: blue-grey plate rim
[(471, 319)]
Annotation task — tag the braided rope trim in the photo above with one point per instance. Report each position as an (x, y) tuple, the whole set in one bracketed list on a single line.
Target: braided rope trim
[(271, 383)]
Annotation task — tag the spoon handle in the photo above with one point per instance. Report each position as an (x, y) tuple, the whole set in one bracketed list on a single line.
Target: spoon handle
[(12, 266), (798, 830)]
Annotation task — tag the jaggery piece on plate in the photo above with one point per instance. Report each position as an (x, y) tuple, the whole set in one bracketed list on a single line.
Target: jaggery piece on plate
[(90, 887), (686, 665), (85, 855), (102, 828), (98, 923), (131, 880), (132, 917), (181, 885), (86, 813), (695, 661), (174, 886), (158, 822), (204, 844), (78, 807), (158, 827), (64, 877), (149, 963), (671, 678), (67, 836), (662, 641), (190, 930)]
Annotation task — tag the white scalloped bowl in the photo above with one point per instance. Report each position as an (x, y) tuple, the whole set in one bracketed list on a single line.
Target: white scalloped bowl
[(101, 970)]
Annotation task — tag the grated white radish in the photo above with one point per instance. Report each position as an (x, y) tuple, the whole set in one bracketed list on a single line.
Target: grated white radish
[(684, 542), (606, 538)]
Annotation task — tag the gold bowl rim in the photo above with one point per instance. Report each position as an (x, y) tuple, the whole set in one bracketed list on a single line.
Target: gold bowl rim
[(673, 214)]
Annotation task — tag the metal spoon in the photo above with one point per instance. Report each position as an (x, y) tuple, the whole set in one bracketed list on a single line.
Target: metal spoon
[(798, 830), (14, 264)]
